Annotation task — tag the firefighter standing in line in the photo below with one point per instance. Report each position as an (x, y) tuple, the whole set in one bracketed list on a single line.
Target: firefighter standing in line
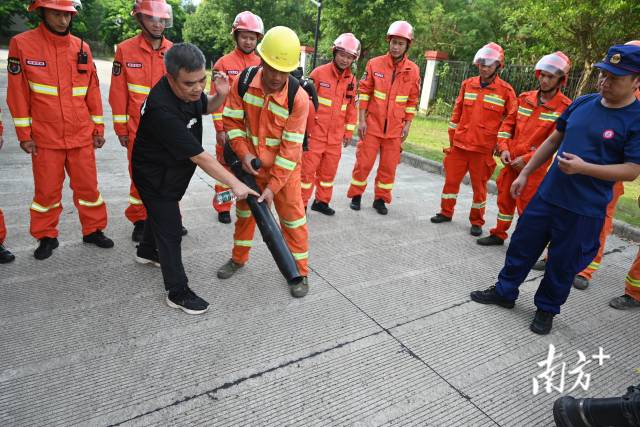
[(388, 96), (332, 125), (484, 103), (247, 30), (54, 99), (537, 113), (260, 125), (5, 255), (137, 67)]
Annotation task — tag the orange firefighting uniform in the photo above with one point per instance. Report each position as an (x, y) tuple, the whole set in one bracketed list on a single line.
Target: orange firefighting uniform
[(533, 125), (389, 93), (137, 67), (473, 134), (3, 228), (335, 120), (261, 125), (232, 64), (59, 108)]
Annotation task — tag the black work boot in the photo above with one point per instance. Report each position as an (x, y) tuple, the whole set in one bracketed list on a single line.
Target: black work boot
[(542, 322), (224, 217), (490, 240), (322, 207), (491, 296), (99, 239), (299, 289), (475, 230), (355, 203), (138, 231), (438, 218), (46, 247), (183, 230), (5, 255), (580, 282), (380, 207), (540, 265)]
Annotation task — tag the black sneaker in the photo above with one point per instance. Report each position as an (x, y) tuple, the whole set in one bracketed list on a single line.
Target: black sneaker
[(322, 207), (46, 247), (187, 301), (475, 230), (99, 239), (438, 218), (183, 230), (138, 231), (380, 207), (147, 256), (5, 255), (490, 240), (224, 217), (355, 203), (542, 322), (491, 296)]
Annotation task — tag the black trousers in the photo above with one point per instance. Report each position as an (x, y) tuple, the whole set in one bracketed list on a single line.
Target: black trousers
[(163, 231)]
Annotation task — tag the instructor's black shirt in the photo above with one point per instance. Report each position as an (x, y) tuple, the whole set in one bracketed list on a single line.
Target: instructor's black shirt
[(169, 134)]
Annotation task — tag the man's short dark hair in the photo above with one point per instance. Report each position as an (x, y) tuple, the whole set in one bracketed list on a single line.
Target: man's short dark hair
[(183, 56)]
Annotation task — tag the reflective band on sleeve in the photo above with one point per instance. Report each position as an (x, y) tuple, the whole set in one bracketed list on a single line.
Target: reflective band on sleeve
[(245, 243), (524, 111), (134, 201), (255, 140), (478, 205), (142, 90), (325, 101), (453, 125), (505, 135), (305, 185), (300, 255), (284, 163), (364, 97), (293, 137), (120, 118), (278, 110), (295, 223), (236, 133), (449, 196), (402, 98), (217, 116), (632, 282), (43, 89), (222, 185), (350, 127), (230, 112), (505, 217), (344, 107), (99, 120), (240, 213), (410, 110), (22, 122), (379, 95), (385, 186), (253, 100), (494, 99), (39, 208), (549, 117), (272, 142), (358, 183), (326, 184), (97, 203), (79, 91)]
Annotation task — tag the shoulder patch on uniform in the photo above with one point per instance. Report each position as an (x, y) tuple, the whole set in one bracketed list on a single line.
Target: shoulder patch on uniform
[(36, 63), (327, 85), (233, 72), (116, 70), (13, 65), (134, 65), (379, 75)]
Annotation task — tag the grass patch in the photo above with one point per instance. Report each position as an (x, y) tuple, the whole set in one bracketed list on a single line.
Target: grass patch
[(429, 136)]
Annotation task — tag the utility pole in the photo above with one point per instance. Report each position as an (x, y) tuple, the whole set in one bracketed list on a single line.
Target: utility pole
[(318, 4)]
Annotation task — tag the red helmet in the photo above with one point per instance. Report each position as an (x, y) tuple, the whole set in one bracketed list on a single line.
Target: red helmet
[(348, 43), (62, 5), (247, 21), (556, 63), (400, 29), (488, 54), (633, 43), (159, 9)]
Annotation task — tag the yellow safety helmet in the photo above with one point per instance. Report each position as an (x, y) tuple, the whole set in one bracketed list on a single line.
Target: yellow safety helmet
[(280, 48)]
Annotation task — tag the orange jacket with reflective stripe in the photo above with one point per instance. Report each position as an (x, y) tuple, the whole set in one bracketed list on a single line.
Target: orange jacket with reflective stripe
[(51, 102), (389, 92), (336, 116), (137, 67), (232, 64), (533, 125), (261, 125), (479, 112)]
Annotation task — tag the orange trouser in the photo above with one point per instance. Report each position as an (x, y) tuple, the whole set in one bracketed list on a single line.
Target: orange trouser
[(319, 169), (366, 153), (220, 187), (3, 228), (457, 163), (607, 227), (293, 222), (506, 204), (135, 211), (632, 282), (48, 175)]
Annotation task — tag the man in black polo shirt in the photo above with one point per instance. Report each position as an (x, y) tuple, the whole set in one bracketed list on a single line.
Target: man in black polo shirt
[(167, 149)]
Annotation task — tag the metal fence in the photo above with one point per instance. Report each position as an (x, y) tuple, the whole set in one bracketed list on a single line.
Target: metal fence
[(450, 74)]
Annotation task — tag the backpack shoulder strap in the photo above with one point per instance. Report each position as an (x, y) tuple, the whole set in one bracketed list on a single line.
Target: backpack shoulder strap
[(246, 77), (294, 85)]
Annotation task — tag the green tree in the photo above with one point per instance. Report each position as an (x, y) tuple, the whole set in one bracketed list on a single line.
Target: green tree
[(9, 10)]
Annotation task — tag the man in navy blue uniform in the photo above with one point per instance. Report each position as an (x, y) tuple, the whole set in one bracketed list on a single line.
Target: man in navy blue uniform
[(598, 143)]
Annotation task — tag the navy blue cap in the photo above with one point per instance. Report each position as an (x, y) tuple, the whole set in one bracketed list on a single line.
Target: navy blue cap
[(621, 60)]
